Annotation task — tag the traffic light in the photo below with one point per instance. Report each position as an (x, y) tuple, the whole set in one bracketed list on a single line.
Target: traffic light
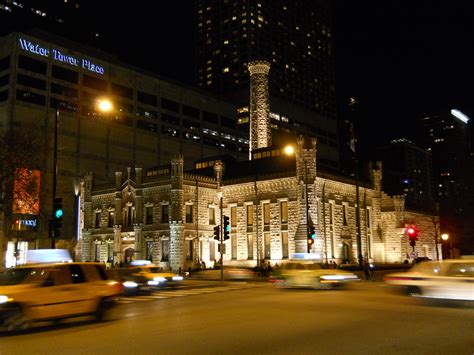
[(216, 232), (412, 233), (226, 227), (57, 220), (311, 235)]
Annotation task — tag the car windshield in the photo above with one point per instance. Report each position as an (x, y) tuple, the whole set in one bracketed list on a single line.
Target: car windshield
[(21, 275), (154, 269)]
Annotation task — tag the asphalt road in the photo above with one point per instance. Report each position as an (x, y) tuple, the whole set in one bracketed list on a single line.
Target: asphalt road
[(243, 318)]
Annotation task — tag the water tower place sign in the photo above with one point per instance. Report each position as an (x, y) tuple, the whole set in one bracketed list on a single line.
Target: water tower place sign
[(59, 56)]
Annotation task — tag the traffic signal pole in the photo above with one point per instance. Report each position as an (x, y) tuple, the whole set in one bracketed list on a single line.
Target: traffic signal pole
[(221, 236), (55, 173)]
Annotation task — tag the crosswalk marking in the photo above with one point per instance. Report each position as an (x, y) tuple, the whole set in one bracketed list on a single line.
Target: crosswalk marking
[(180, 293)]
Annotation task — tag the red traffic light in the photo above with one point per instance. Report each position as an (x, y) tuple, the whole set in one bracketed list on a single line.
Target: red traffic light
[(412, 232)]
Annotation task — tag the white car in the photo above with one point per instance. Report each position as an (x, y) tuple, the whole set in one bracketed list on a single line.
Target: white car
[(304, 274), (447, 279)]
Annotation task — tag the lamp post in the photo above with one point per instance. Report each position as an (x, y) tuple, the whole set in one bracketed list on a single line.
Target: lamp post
[(445, 237), (103, 105)]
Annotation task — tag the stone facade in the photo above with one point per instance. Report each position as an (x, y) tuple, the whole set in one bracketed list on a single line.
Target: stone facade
[(267, 213)]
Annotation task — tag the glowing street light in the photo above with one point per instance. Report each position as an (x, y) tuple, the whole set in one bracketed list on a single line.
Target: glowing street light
[(104, 105)]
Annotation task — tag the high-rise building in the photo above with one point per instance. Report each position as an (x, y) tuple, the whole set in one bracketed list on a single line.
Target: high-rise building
[(446, 135), (295, 37), (57, 16), (45, 79), (407, 171)]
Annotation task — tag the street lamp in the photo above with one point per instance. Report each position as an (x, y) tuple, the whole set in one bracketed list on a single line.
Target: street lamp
[(103, 105), (445, 237)]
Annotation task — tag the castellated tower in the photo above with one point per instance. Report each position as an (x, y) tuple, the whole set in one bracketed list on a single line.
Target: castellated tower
[(176, 214), (260, 132)]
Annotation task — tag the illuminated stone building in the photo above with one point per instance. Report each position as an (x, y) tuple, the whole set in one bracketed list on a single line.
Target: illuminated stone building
[(167, 214), (153, 119)]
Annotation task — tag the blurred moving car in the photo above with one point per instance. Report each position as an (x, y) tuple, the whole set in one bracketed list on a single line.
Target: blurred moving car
[(155, 276), (229, 273), (451, 279), (307, 274), (38, 292), (133, 283)]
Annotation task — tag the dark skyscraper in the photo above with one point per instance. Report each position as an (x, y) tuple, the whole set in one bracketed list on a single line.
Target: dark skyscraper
[(447, 137), (295, 37)]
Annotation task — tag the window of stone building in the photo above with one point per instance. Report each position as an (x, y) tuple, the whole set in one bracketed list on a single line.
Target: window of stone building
[(212, 215), (368, 227), (266, 213), (249, 215), (110, 252), (97, 219), (189, 249), (149, 250), (129, 216), (149, 215), (284, 212), (284, 245), (97, 252), (212, 249), (267, 241), (165, 217), (233, 216), (165, 249), (189, 214), (111, 219), (331, 228), (344, 214), (233, 241), (250, 246)]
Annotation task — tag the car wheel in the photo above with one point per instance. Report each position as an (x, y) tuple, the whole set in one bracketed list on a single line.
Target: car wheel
[(102, 309), (16, 320), (414, 291)]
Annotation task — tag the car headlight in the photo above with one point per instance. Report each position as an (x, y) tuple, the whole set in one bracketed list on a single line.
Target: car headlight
[(4, 299), (130, 284), (159, 279), (332, 277), (177, 278)]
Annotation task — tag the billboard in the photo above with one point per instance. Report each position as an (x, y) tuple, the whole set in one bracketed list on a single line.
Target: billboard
[(26, 191)]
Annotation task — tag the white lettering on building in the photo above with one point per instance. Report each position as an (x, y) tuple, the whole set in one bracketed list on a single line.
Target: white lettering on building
[(60, 57)]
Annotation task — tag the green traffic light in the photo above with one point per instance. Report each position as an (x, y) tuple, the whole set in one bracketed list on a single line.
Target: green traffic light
[(58, 213)]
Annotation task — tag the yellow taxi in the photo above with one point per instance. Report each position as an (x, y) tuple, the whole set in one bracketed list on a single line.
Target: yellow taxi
[(54, 291), (155, 275)]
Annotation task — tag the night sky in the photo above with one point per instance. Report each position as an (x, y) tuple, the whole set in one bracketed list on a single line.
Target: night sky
[(399, 59)]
